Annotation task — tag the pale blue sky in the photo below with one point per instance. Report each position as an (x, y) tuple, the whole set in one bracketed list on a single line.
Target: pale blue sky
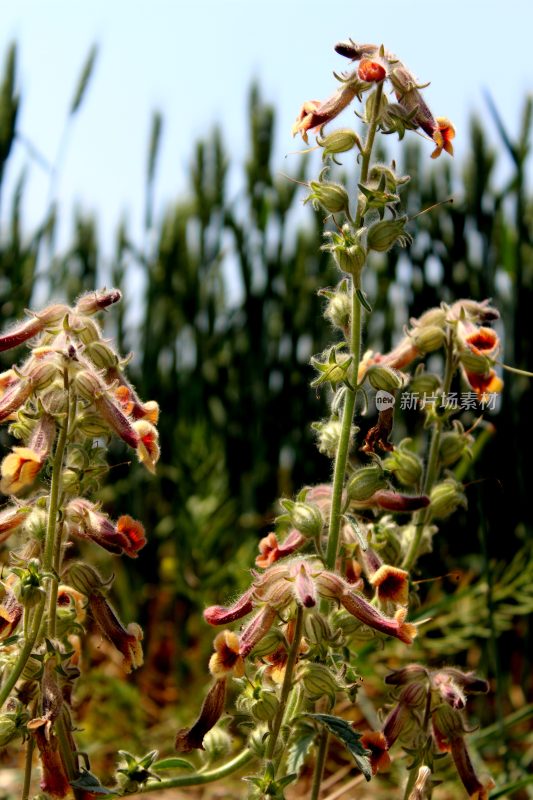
[(195, 61)]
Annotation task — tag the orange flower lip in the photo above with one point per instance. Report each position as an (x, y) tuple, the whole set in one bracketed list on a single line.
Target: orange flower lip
[(484, 385), (371, 71), (226, 659), (483, 342), (443, 136)]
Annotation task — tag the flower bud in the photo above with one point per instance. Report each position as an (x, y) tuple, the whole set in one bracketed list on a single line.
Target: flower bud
[(268, 644), (431, 317), (365, 482), (339, 310), (8, 729), (350, 258), (85, 579), (425, 383), (452, 447), (306, 518), (428, 338), (216, 743), (386, 379), (328, 436), (406, 466), (317, 628), (446, 497), (330, 585), (92, 302), (101, 355), (87, 330), (408, 674), (478, 364), (318, 682), (383, 235), (339, 141), (331, 196), (265, 707)]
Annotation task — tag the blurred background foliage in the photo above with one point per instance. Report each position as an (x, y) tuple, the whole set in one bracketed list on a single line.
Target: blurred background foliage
[(221, 311)]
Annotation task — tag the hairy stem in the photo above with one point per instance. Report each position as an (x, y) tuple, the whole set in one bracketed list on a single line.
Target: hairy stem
[(29, 641), (320, 763), (52, 547), (287, 684), (422, 517), (341, 456), (198, 779), (30, 745)]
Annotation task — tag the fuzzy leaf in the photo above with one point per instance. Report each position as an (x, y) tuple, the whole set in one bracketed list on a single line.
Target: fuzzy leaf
[(344, 732), (299, 748), (90, 783)]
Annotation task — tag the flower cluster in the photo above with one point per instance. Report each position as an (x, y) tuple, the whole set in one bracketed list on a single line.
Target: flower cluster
[(63, 402), (439, 695), (376, 65)]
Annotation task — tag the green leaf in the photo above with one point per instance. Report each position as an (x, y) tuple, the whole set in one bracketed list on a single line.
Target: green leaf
[(344, 732), (172, 763), (299, 748), (90, 783), (362, 299)]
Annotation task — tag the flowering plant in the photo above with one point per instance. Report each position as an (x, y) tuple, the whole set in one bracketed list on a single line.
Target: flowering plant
[(338, 572)]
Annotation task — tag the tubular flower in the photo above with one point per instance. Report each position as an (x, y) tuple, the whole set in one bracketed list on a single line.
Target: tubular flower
[(372, 70), (256, 629), (148, 451), (129, 400), (483, 385), (19, 469), (92, 302), (86, 521), (393, 501), (271, 550), (14, 396), (443, 136), (314, 114), (23, 331), (376, 743), (132, 532), (227, 658), (391, 583), (188, 739), (11, 518), (223, 615), (407, 92), (448, 732), (10, 615), (396, 626), (54, 780), (94, 391), (483, 342), (126, 640)]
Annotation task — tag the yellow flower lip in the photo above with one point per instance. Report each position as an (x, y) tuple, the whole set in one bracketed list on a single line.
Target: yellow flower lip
[(19, 469)]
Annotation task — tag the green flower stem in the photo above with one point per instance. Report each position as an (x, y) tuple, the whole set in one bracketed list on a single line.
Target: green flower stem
[(197, 779), (29, 641), (341, 456), (287, 684), (422, 517), (30, 745), (52, 546), (320, 763), (24, 653)]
